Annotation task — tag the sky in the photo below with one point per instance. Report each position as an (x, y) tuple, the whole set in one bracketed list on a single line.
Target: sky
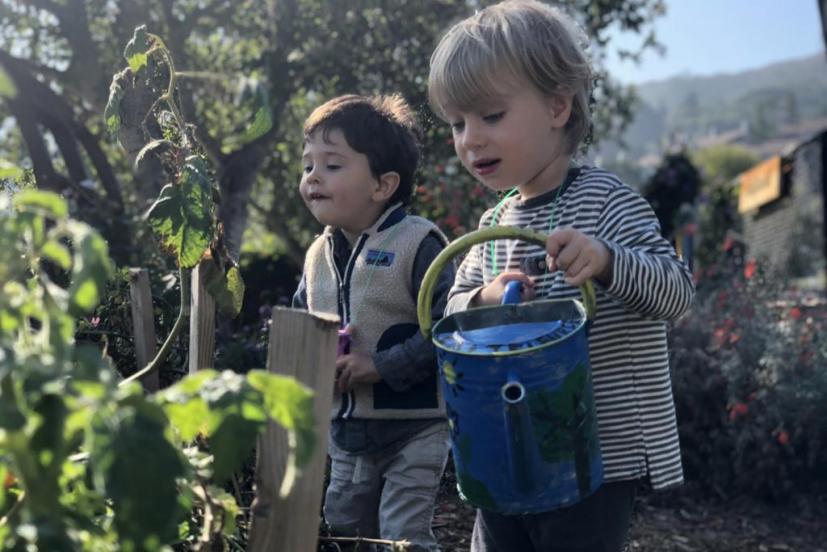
[(704, 37)]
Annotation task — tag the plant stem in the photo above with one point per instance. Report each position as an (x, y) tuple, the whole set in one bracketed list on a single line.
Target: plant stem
[(13, 510), (395, 545), (183, 314)]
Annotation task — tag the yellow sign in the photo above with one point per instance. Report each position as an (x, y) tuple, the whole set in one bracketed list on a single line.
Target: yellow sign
[(760, 185)]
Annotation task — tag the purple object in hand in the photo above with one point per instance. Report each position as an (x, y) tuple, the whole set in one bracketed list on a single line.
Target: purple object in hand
[(344, 343)]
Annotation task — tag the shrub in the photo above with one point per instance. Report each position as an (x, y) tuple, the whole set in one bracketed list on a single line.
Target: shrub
[(751, 385)]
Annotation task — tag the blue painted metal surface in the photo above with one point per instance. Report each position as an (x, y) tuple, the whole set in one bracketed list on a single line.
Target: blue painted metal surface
[(517, 385)]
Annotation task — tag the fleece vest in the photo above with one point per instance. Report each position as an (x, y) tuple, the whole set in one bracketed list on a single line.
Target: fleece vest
[(375, 294)]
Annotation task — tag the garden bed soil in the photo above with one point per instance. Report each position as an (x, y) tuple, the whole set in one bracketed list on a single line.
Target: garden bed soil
[(681, 520)]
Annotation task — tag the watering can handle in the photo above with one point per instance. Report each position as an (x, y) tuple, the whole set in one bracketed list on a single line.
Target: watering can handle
[(426, 291), (513, 292)]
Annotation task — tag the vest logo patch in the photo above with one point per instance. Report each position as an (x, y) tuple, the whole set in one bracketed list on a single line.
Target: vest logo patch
[(379, 258)]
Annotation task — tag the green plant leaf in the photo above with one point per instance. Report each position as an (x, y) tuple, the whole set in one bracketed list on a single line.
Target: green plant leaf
[(7, 87), (112, 112), (230, 507), (187, 387), (4, 473), (252, 98), (11, 418), (226, 288), (139, 468), (182, 215), (91, 269), (190, 417), (9, 171), (57, 253), (49, 202), (231, 444), (47, 443), (136, 49), (155, 147), (290, 404)]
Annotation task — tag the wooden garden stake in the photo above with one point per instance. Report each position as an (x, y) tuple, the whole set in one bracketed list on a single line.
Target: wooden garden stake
[(301, 345), (143, 324), (202, 325)]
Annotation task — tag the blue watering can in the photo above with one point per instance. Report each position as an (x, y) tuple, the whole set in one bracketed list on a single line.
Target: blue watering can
[(517, 384)]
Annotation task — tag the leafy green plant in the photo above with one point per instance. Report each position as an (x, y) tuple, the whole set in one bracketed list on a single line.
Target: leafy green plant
[(718, 202), (750, 385), (142, 102), (87, 462)]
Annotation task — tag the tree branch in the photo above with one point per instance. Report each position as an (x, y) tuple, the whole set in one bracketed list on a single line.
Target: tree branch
[(176, 42)]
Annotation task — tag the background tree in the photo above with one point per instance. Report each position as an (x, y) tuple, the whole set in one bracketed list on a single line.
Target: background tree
[(672, 191), (298, 52), (718, 205)]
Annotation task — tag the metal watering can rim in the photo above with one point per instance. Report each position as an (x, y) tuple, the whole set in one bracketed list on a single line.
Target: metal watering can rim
[(534, 304), (426, 290)]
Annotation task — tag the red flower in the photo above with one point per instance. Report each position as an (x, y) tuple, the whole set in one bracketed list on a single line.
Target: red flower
[(795, 313), (783, 437), (738, 409), (452, 221), (690, 229), (750, 268), (733, 338), (729, 241)]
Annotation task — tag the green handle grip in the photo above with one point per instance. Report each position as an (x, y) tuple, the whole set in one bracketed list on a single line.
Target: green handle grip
[(426, 290)]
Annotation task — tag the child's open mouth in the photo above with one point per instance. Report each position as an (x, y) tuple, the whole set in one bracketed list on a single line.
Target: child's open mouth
[(486, 166), (317, 196)]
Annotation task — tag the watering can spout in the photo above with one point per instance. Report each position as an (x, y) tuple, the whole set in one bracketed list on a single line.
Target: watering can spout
[(520, 441)]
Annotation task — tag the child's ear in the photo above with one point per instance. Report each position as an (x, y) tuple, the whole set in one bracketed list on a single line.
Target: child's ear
[(560, 109), (386, 186)]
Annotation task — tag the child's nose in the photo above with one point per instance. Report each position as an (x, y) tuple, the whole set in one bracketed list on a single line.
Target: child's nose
[(312, 177), (473, 136)]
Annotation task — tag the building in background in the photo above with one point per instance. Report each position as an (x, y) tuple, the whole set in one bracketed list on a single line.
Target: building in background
[(783, 201)]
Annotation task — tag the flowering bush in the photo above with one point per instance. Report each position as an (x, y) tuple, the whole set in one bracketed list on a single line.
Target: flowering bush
[(451, 197), (750, 374)]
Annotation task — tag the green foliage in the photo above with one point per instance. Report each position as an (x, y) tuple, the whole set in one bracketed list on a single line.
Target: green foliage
[(137, 49), (252, 98), (7, 86), (111, 115), (672, 191), (182, 214), (9, 171), (718, 201), (88, 463), (720, 164), (750, 385)]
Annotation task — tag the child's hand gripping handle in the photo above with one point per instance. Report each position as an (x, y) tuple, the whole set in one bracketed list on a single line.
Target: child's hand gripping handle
[(426, 291), (513, 291)]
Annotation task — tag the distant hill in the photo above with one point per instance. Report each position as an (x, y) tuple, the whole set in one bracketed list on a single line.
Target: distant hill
[(690, 109)]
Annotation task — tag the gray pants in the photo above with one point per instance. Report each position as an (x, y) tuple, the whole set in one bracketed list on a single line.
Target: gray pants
[(389, 495)]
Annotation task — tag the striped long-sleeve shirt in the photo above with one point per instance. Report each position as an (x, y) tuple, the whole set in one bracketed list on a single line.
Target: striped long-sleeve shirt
[(627, 340)]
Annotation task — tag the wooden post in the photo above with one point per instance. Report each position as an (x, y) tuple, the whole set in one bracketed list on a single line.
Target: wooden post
[(202, 325), (143, 324), (301, 345)]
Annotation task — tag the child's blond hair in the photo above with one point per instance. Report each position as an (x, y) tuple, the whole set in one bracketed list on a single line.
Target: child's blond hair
[(510, 43)]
